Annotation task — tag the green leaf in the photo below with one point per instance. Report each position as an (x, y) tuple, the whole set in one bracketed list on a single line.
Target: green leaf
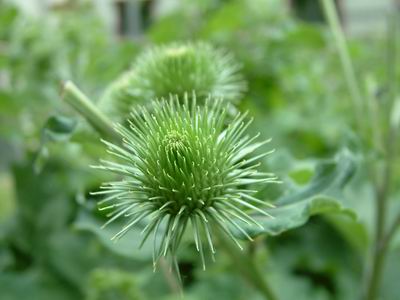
[(127, 246), (42, 206), (353, 231), (321, 196), (7, 195), (330, 177), (109, 284), (58, 128), (35, 284), (297, 214)]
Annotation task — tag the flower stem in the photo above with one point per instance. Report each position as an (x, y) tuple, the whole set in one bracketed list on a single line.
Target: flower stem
[(246, 266), (392, 230), (171, 279), (81, 103)]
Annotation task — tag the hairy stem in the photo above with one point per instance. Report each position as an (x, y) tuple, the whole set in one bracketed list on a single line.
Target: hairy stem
[(81, 103), (246, 266)]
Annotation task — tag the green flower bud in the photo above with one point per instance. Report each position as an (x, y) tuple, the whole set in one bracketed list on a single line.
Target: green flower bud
[(182, 165), (175, 69)]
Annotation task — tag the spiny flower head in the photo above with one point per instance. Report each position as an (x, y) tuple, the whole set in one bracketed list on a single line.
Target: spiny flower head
[(182, 165), (176, 69)]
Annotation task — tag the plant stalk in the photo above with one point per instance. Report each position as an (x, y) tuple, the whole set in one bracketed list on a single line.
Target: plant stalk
[(392, 230), (382, 239), (81, 103), (171, 279), (374, 272), (347, 65)]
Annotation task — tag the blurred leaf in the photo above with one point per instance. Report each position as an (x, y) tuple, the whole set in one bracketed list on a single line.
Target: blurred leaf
[(300, 288), (352, 230), (127, 246), (301, 176), (320, 196), (315, 261), (7, 196), (108, 284), (35, 285), (58, 128), (220, 284), (42, 205), (390, 282), (330, 177), (297, 214)]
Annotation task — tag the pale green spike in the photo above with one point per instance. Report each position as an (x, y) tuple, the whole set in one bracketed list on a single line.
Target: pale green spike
[(177, 69), (181, 164)]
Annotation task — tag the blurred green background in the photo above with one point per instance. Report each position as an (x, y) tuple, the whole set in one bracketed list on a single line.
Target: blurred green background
[(51, 245)]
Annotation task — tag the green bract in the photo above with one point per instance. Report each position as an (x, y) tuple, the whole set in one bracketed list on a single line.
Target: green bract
[(182, 165), (175, 69)]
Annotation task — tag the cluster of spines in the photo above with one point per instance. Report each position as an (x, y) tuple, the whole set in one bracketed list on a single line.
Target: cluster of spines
[(204, 183), (176, 68)]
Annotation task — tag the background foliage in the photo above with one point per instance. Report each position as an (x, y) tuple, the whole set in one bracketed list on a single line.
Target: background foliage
[(51, 244)]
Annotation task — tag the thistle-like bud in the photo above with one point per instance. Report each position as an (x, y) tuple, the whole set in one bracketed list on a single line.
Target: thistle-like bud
[(176, 69), (182, 165)]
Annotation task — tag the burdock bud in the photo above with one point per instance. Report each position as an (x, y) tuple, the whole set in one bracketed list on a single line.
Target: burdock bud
[(175, 69), (181, 164)]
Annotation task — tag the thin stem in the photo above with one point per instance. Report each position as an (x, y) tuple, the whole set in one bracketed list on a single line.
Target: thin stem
[(392, 230), (374, 272), (374, 112), (382, 240), (245, 265), (392, 60), (81, 103), (347, 65), (171, 279), (380, 250)]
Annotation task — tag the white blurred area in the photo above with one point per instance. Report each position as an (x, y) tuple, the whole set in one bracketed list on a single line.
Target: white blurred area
[(362, 17), (359, 17), (38, 8)]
